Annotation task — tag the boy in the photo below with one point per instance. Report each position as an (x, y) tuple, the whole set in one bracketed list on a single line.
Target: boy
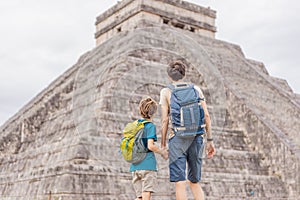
[(144, 172)]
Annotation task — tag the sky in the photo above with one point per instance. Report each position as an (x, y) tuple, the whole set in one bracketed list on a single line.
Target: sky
[(40, 40)]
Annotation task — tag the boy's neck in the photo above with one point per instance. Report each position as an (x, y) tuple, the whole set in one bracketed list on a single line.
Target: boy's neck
[(148, 119)]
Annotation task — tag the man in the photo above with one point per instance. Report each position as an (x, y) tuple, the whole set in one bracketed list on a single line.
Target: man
[(184, 150)]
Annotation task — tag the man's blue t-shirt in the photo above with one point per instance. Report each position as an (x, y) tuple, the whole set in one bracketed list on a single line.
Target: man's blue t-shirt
[(149, 163)]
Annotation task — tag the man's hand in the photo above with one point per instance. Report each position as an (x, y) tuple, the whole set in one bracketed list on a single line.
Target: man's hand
[(210, 149), (162, 151)]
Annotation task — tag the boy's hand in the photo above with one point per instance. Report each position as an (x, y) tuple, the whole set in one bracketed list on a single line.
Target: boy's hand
[(165, 153)]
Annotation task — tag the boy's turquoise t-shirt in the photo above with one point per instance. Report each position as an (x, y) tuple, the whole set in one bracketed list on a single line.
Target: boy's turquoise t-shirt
[(149, 163)]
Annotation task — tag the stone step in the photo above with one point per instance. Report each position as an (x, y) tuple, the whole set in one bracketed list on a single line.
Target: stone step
[(215, 184), (243, 186), (237, 162), (225, 160), (225, 138), (221, 120)]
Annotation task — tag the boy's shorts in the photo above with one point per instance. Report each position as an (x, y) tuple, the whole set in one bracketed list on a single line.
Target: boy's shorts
[(184, 151), (143, 181)]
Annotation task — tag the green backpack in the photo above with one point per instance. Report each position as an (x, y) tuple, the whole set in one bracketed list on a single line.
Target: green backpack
[(132, 146)]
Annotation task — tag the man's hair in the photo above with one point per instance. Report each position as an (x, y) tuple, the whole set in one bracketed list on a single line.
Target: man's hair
[(176, 70), (147, 107)]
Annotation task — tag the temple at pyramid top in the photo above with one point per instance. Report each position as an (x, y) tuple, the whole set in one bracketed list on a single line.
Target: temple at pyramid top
[(132, 14)]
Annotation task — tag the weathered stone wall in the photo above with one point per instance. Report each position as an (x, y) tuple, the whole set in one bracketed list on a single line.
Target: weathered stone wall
[(263, 97), (276, 104), (278, 158), (128, 14), (36, 140)]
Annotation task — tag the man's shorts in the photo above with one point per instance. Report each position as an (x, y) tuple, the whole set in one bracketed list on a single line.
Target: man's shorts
[(143, 181), (182, 151)]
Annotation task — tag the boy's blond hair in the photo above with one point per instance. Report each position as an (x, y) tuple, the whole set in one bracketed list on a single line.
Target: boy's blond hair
[(147, 107)]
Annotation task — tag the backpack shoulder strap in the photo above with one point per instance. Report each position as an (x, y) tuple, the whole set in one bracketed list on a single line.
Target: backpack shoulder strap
[(201, 99), (191, 85), (171, 87), (144, 121), (179, 86)]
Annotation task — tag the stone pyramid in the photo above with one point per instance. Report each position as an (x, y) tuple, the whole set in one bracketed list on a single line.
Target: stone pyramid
[(64, 143)]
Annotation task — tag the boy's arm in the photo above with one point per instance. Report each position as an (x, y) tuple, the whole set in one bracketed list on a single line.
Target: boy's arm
[(152, 147)]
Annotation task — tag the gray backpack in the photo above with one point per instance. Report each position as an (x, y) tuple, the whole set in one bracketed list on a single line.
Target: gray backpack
[(132, 147), (187, 114)]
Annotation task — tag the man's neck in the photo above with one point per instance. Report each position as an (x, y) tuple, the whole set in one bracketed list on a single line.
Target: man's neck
[(179, 81)]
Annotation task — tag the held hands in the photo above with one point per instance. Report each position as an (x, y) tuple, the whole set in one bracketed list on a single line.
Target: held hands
[(164, 152), (210, 149)]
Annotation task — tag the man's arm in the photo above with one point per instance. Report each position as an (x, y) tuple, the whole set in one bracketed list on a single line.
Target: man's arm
[(210, 148), (164, 124), (207, 120)]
